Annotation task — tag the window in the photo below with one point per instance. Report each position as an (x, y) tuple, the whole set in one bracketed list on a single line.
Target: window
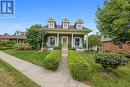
[(51, 25), (120, 46), (79, 26), (52, 41), (77, 42), (65, 25)]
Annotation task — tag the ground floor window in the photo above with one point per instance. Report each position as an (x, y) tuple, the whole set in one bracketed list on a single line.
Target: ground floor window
[(52, 40), (77, 42)]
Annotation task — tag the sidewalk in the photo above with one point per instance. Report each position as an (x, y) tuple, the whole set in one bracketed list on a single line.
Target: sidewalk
[(41, 76)]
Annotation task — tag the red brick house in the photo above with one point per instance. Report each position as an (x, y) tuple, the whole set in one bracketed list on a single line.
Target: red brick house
[(108, 45)]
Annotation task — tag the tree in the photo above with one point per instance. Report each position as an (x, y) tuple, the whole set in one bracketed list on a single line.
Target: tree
[(93, 41), (36, 36), (114, 20)]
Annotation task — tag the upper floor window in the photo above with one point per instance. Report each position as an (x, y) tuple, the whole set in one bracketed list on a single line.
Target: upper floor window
[(51, 25), (65, 25), (79, 26)]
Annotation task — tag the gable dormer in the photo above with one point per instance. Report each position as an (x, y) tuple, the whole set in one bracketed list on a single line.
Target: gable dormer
[(51, 23), (79, 24), (65, 23), (17, 33)]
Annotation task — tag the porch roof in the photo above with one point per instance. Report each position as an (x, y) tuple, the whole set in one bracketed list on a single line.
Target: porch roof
[(67, 31)]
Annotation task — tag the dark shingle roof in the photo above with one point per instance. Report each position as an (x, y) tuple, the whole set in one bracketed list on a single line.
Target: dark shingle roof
[(60, 27)]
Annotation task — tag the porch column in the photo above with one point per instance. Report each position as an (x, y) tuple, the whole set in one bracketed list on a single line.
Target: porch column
[(87, 41), (17, 41), (72, 41), (57, 39)]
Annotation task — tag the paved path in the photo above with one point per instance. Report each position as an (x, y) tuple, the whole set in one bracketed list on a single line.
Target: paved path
[(41, 76)]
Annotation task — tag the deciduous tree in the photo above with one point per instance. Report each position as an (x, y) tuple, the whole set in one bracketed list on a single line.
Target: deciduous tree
[(36, 36), (114, 20)]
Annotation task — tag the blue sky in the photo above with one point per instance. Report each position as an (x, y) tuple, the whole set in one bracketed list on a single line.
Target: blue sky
[(30, 12)]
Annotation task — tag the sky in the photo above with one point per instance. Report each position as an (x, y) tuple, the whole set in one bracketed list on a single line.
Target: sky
[(29, 12)]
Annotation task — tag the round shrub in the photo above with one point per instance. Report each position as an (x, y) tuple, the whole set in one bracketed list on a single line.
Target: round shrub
[(110, 60), (79, 68), (52, 60)]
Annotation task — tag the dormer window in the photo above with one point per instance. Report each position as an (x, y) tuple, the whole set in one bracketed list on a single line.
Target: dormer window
[(51, 23), (17, 33), (65, 23), (79, 24)]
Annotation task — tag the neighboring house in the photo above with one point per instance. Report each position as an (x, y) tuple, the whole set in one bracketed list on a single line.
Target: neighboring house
[(18, 37), (4, 37), (65, 35), (108, 45)]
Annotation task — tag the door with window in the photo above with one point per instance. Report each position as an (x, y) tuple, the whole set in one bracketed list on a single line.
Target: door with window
[(64, 42)]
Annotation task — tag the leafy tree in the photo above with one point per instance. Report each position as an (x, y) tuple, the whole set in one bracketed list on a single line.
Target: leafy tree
[(114, 20), (36, 36), (94, 40)]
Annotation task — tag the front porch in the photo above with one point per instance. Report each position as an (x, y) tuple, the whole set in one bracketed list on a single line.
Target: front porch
[(66, 41), (67, 38)]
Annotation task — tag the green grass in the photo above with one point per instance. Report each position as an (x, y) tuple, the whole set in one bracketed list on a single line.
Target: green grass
[(98, 77), (32, 56), (9, 77)]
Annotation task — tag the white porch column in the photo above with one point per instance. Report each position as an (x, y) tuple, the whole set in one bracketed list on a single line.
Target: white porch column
[(87, 41), (72, 41), (57, 39)]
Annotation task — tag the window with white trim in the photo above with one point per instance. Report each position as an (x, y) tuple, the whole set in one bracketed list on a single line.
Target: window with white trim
[(52, 41), (79, 26), (65, 25), (51, 25)]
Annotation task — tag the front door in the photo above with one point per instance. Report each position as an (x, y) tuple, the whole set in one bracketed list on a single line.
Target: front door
[(64, 42)]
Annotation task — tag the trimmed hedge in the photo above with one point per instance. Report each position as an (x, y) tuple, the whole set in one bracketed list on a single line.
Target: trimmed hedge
[(79, 68), (52, 60)]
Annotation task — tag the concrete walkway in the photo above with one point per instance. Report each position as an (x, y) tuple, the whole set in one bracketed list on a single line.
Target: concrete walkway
[(41, 76)]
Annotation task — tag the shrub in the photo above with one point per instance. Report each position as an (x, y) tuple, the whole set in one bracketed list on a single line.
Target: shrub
[(72, 49), (3, 43), (110, 60), (24, 47), (79, 68), (52, 60), (57, 48), (10, 45)]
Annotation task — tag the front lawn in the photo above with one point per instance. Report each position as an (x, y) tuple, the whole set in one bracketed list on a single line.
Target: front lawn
[(31, 56), (9, 77), (99, 78)]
